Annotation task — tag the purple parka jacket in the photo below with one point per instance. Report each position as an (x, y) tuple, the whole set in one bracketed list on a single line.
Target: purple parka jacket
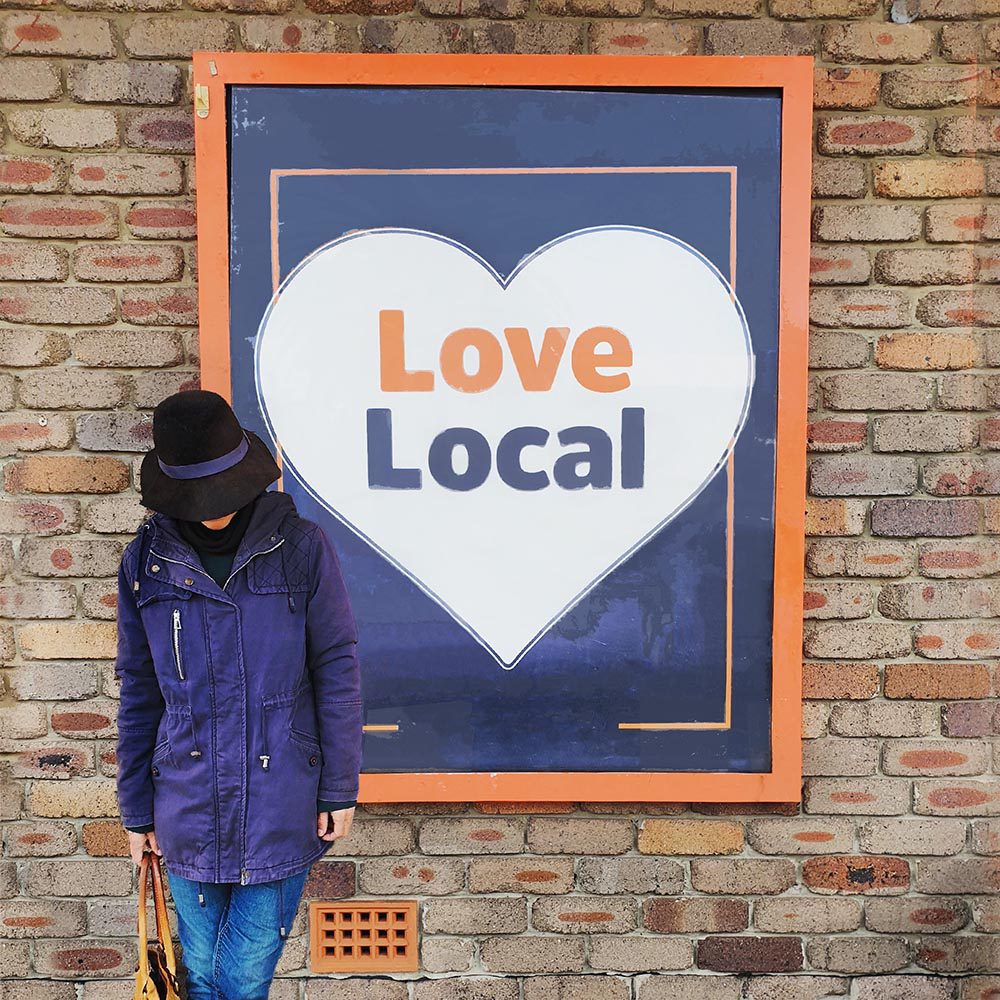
[(241, 705)]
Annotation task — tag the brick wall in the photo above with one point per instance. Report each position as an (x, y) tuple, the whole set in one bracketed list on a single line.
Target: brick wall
[(884, 884)]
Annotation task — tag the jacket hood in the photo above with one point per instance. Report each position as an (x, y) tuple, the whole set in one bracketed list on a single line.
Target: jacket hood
[(271, 508)]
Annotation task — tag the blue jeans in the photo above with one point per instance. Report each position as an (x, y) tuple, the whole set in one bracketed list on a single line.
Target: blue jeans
[(233, 939)]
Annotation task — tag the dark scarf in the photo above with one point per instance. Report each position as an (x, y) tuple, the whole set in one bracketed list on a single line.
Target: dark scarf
[(216, 547)]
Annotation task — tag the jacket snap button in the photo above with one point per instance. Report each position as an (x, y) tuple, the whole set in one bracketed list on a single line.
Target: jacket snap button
[(188, 580), (312, 759), (156, 770), (155, 568)]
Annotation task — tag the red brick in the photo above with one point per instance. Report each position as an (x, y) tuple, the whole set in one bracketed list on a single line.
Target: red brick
[(750, 954), (20, 261), (932, 86), (956, 178), (126, 174), (924, 432), (822, 8), (960, 559), (962, 476), (156, 306), (31, 173), (57, 305), (839, 265), (837, 435), (944, 266), (667, 38), (962, 43), (937, 681), (908, 518), (162, 131), (859, 307), (857, 796), (295, 34), (59, 217), (838, 681), (956, 797), (742, 876), (65, 128), (846, 87), (838, 178), (57, 34), (956, 640), (927, 351), (961, 307), (759, 37), (935, 757), (872, 135), (962, 222), (90, 958), (856, 874), (967, 134), (128, 262), (695, 916), (869, 223), (883, 718), (152, 36), (388, 34), (867, 41), (29, 80), (970, 719), (528, 37), (858, 955), (162, 219), (827, 601), (709, 8), (125, 83)]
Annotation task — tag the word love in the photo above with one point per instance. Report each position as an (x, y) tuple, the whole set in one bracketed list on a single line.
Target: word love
[(462, 458)]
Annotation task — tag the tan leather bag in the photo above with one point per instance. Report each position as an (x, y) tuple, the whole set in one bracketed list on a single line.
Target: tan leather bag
[(156, 975)]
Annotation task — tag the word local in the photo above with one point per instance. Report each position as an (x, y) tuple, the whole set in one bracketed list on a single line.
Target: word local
[(592, 466)]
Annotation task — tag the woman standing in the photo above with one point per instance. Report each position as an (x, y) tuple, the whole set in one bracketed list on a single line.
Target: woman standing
[(240, 714)]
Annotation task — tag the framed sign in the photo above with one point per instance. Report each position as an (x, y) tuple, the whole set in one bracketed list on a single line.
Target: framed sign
[(527, 335)]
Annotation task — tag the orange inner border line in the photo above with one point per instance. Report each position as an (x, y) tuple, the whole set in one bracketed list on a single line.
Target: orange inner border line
[(792, 76), (275, 193)]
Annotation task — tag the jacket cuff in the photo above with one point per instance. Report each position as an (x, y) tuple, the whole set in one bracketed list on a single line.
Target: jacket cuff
[(327, 805), (138, 823)]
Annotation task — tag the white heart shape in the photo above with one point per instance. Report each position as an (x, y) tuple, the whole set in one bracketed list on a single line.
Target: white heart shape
[(506, 563)]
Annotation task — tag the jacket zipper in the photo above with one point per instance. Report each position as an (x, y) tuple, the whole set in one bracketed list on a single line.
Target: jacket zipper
[(264, 757), (260, 552), (177, 643)]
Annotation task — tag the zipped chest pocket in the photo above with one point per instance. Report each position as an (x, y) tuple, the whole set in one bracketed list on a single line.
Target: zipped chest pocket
[(176, 632)]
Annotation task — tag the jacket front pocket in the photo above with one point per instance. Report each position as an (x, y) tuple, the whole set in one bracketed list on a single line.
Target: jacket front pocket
[(161, 751), (176, 632)]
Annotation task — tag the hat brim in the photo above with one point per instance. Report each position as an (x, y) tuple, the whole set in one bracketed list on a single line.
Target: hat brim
[(208, 497)]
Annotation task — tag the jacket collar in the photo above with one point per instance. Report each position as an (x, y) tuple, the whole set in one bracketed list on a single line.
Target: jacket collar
[(269, 511)]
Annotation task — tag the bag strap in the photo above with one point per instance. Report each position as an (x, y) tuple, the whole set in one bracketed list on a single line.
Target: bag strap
[(162, 920), (142, 976)]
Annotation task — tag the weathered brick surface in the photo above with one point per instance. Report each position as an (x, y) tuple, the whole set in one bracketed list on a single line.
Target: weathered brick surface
[(882, 884)]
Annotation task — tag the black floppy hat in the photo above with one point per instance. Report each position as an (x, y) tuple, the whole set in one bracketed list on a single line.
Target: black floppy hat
[(203, 463)]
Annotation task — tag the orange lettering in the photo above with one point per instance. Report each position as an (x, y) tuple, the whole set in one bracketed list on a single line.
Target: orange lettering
[(453, 359), (392, 352), (537, 374), (586, 360)]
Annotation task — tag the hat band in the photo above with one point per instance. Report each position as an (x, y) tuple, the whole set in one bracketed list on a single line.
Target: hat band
[(194, 470)]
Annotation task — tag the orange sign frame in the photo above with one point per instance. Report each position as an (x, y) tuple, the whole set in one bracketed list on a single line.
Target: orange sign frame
[(793, 77)]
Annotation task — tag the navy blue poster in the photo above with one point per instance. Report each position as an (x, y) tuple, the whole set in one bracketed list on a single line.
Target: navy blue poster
[(516, 352)]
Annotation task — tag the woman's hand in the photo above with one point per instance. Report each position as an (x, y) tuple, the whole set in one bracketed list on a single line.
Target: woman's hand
[(139, 842), (337, 823)]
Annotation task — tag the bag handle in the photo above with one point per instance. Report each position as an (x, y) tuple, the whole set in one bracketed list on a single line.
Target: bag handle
[(160, 907), (143, 974)]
